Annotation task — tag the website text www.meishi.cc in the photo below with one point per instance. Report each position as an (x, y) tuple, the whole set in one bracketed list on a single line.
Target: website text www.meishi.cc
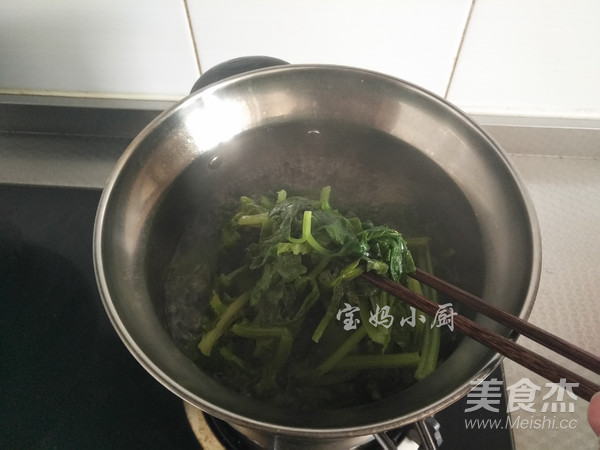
[(522, 422)]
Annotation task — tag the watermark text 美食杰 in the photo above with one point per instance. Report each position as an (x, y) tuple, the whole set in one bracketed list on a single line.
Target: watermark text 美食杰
[(523, 396)]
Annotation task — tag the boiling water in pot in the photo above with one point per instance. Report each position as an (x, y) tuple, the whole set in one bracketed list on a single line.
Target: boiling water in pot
[(371, 173)]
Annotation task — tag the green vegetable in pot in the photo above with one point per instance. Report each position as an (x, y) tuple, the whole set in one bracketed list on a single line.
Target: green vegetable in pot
[(290, 319)]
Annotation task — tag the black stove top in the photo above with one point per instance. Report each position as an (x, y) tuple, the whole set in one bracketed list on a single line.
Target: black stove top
[(67, 381)]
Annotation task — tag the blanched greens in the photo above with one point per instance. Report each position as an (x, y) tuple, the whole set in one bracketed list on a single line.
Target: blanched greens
[(291, 320)]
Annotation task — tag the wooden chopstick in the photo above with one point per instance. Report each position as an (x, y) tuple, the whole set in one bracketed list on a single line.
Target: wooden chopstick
[(554, 343), (584, 388)]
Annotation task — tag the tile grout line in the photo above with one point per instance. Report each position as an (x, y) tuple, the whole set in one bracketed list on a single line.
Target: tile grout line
[(459, 50), (555, 157), (191, 28)]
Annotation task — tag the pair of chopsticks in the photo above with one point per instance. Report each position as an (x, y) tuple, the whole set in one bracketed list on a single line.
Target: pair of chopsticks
[(506, 347)]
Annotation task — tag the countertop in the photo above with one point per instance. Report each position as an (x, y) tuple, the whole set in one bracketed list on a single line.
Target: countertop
[(565, 193)]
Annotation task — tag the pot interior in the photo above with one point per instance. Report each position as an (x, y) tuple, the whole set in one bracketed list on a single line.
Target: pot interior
[(391, 153)]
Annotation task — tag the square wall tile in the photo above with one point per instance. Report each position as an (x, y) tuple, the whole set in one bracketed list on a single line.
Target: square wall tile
[(118, 48), (530, 58), (416, 40)]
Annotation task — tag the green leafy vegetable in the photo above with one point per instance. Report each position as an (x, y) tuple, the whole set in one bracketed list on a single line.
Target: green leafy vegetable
[(294, 312)]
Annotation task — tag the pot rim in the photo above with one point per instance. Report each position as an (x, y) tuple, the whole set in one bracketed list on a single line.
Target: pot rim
[(214, 409)]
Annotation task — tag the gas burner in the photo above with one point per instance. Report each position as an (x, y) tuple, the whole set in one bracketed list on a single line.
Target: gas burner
[(216, 434)]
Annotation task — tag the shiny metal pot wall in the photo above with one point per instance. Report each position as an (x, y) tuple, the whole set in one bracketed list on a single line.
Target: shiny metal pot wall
[(377, 141)]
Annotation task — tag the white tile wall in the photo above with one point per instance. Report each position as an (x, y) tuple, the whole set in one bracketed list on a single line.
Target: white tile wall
[(416, 40), (530, 58), (519, 57), (98, 48)]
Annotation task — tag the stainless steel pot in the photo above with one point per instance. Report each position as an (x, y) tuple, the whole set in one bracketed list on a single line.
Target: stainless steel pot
[(379, 142)]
